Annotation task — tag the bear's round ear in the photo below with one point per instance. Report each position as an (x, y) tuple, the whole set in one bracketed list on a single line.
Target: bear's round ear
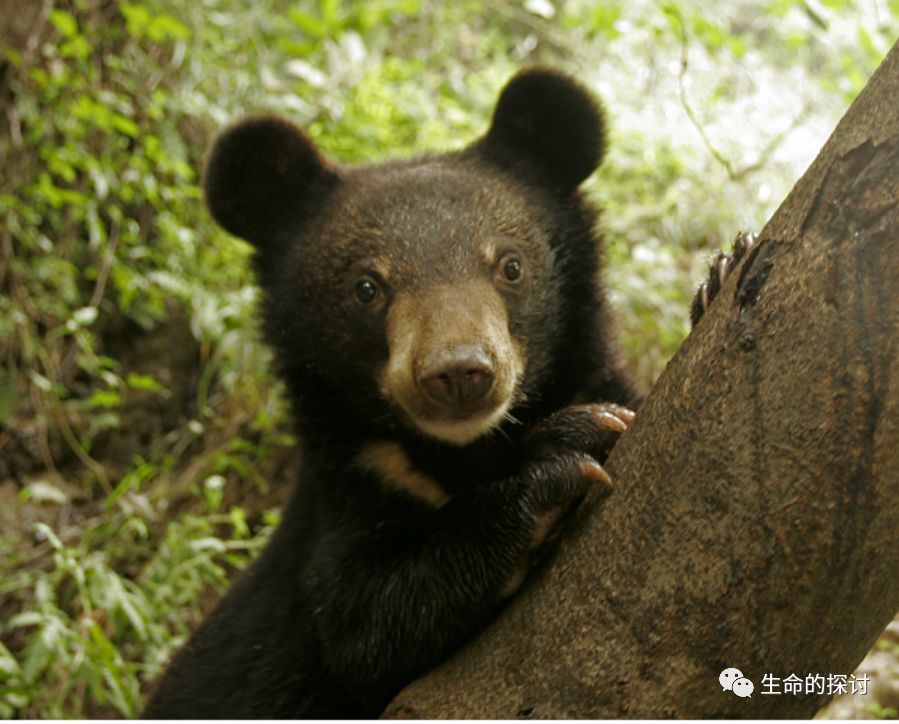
[(551, 123), (261, 175)]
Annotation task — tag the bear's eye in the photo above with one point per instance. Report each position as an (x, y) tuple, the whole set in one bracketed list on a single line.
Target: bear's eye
[(366, 291), (510, 268)]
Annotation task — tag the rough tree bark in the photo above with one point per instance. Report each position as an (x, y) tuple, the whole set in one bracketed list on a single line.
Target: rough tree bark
[(756, 512)]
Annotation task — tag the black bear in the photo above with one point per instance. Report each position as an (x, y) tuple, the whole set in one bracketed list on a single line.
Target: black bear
[(446, 347)]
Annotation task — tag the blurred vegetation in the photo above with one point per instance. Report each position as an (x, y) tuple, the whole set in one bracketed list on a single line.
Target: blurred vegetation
[(144, 446)]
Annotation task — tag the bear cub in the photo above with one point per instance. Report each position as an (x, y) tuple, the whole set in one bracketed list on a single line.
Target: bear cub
[(446, 347)]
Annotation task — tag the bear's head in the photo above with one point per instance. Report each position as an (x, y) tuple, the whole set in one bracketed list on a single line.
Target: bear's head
[(440, 295)]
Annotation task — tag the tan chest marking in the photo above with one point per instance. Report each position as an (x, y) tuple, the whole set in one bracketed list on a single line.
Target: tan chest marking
[(389, 461)]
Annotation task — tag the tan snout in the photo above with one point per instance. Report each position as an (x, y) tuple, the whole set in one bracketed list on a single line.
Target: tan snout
[(453, 365)]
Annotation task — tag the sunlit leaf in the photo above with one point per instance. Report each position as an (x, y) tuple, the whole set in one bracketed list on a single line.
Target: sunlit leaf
[(64, 22), (105, 399)]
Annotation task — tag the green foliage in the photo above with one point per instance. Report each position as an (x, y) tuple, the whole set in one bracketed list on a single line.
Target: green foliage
[(142, 437), (877, 711), (91, 630)]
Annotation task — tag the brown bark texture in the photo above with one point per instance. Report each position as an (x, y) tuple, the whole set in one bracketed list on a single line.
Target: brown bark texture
[(755, 518)]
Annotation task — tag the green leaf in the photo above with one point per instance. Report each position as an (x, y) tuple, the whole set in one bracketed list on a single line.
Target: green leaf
[(208, 544), (125, 125), (64, 22), (143, 382), (102, 421), (330, 10), (42, 491), (309, 24), (85, 316), (165, 27), (75, 47), (8, 664), (105, 399), (26, 618), (39, 381), (137, 18)]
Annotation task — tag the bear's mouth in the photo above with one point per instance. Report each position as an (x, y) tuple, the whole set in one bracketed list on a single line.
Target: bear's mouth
[(458, 423), (463, 428)]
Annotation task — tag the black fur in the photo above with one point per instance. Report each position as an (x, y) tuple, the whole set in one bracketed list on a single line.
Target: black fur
[(254, 173), (365, 586), (548, 126)]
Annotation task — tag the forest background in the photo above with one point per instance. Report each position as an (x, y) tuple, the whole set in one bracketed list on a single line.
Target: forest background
[(144, 445)]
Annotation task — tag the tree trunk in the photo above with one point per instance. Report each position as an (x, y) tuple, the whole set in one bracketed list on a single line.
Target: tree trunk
[(755, 518)]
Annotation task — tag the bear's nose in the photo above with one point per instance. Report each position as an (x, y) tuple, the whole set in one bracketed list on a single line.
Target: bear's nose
[(456, 377)]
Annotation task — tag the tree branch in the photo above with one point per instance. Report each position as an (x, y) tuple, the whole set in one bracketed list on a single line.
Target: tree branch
[(757, 494)]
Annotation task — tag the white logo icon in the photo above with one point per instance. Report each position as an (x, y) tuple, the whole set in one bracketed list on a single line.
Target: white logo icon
[(727, 678), (733, 680), (743, 688)]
